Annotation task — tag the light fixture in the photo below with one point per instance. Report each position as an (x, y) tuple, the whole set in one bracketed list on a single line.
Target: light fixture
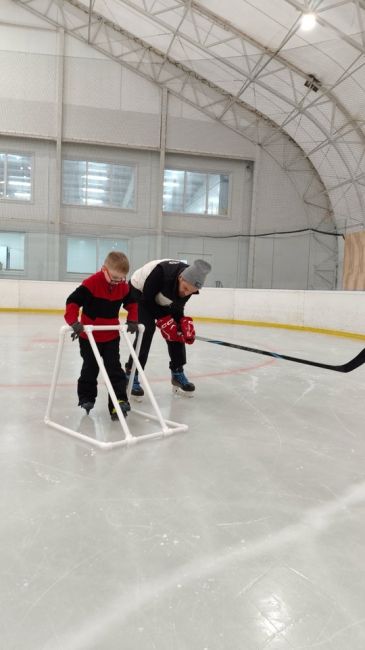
[(312, 83), (308, 21)]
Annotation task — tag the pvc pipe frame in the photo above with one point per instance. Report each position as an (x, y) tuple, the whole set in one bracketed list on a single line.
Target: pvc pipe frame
[(168, 427)]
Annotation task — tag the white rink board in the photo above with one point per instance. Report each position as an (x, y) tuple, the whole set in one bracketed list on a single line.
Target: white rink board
[(338, 310)]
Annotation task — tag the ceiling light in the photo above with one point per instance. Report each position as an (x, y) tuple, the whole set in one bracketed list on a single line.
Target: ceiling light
[(308, 21)]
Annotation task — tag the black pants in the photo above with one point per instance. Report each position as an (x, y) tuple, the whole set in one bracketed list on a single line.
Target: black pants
[(177, 351), (87, 383)]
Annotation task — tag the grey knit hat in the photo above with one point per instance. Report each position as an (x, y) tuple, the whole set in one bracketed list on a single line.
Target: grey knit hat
[(196, 273)]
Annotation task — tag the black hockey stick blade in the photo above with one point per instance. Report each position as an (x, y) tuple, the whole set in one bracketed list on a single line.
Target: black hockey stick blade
[(346, 367)]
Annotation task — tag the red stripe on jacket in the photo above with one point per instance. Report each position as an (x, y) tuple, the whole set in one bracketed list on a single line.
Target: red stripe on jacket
[(100, 303)]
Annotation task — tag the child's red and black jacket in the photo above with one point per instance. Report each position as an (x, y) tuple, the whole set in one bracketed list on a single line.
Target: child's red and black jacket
[(100, 303)]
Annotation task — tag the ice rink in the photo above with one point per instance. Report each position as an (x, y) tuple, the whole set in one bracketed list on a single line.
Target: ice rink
[(244, 533)]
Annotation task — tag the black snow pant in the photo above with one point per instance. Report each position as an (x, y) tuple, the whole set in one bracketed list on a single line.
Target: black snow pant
[(87, 383), (177, 351)]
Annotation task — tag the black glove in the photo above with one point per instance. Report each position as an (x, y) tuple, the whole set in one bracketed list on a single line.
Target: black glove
[(77, 329), (132, 326)]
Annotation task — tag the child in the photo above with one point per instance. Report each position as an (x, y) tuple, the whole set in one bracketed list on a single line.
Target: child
[(100, 296)]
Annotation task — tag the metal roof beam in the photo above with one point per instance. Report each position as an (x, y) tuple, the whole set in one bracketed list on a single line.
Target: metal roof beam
[(195, 89), (325, 23)]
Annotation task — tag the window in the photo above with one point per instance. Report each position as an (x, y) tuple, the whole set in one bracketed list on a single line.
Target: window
[(192, 192), (98, 184), (87, 255), (12, 251), (15, 177)]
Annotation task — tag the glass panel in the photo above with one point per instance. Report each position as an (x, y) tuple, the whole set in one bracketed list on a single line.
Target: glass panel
[(122, 187), (3, 257), (223, 194), (74, 182), (217, 194), (2, 175), (19, 177), (81, 255), (107, 245), (173, 191), (99, 184), (196, 193), (12, 250), (86, 255)]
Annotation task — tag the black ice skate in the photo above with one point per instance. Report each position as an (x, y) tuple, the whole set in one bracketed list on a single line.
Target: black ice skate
[(125, 407), (87, 405), (180, 382), (137, 390)]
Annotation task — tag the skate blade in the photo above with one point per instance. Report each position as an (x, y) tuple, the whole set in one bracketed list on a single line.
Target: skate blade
[(176, 390), (86, 411), (137, 398)]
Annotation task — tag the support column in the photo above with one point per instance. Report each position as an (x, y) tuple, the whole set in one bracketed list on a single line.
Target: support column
[(163, 130), (55, 201), (252, 231)]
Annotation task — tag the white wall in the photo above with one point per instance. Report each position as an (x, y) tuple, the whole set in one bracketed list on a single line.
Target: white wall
[(340, 310), (105, 110)]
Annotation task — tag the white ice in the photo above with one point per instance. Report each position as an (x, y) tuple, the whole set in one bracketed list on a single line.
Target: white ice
[(245, 533)]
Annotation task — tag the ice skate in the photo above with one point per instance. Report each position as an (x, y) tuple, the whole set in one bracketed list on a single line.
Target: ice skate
[(125, 407), (137, 390), (87, 405), (181, 384)]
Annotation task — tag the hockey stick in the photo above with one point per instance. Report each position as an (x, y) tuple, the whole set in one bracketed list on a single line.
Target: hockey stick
[(346, 367)]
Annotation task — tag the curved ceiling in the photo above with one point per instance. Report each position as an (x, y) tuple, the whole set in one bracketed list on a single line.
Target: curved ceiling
[(225, 58)]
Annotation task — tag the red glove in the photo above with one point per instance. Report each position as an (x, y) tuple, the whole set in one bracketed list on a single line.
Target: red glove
[(168, 327), (187, 329)]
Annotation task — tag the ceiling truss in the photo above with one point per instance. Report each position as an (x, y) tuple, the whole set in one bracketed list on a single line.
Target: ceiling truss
[(232, 78)]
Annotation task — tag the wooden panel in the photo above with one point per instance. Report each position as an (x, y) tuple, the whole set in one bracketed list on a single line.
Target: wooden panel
[(354, 262)]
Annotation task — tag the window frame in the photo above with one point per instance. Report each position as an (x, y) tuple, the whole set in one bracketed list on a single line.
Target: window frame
[(207, 173), (133, 165), (29, 154)]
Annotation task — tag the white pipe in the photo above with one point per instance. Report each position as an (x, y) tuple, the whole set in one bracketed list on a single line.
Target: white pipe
[(133, 368), (147, 386), (56, 371), (168, 427), (89, 332)]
